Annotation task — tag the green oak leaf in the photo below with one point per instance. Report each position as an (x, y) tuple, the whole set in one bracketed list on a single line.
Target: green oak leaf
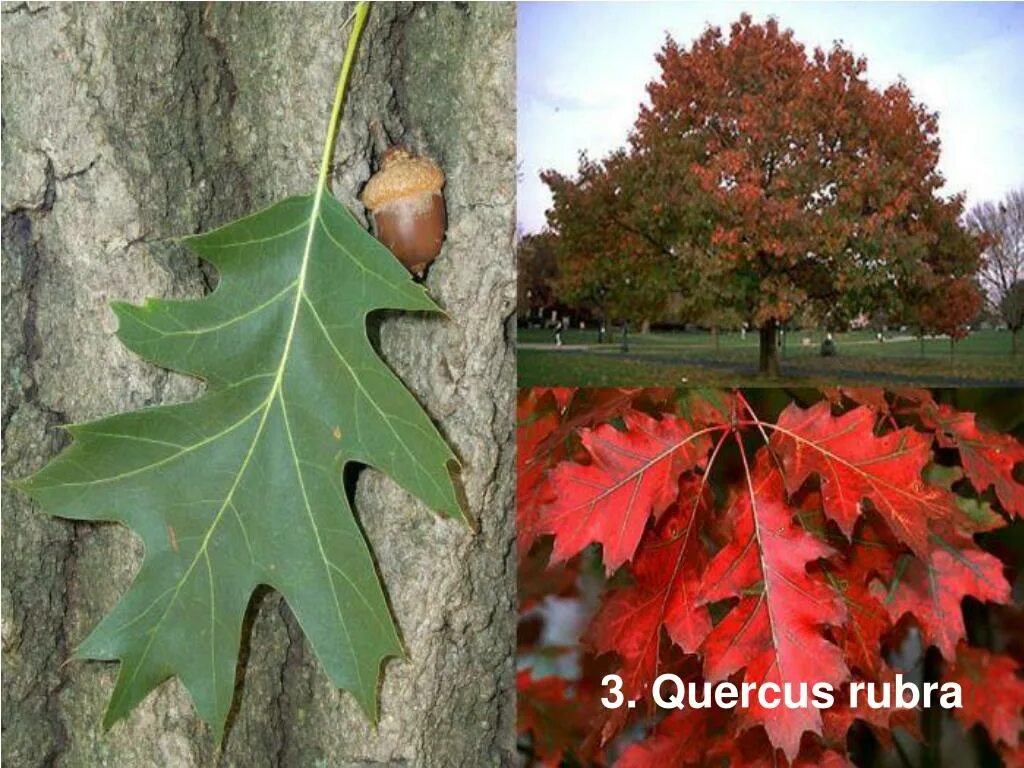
[(243, 486)]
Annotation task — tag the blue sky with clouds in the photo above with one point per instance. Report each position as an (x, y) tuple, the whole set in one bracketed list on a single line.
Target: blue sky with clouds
[(582, 68)]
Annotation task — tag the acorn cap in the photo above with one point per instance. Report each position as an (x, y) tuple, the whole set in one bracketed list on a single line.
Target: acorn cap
[(401, 175)]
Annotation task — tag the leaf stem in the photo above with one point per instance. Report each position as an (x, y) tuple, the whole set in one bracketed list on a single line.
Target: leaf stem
[(362, 9)]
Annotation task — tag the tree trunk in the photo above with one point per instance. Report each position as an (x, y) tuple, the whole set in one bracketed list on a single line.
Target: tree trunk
[(769, 351), (126, 125)]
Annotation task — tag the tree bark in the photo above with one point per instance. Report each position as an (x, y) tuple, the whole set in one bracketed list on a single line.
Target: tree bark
[(127, 125), (769, 349)]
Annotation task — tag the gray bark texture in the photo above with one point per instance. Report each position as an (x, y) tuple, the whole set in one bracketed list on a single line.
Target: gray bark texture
[(125, 125)]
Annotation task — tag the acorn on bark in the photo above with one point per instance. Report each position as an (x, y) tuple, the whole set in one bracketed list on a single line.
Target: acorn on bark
[(405, 201)]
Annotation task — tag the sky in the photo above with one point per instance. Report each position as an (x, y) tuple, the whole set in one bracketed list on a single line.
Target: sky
[(583, 68)]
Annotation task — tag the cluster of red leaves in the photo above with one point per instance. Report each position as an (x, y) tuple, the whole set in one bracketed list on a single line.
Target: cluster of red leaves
[(841, 533), (953, 306)]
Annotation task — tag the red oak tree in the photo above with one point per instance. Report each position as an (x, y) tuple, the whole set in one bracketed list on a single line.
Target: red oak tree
[(779, 178)]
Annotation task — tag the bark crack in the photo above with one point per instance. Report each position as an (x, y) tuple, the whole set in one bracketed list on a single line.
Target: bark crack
[(26, 9), (19, 234)]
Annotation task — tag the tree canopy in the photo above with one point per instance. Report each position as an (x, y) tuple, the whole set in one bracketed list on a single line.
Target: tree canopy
[(1002, 268), (769, 179)]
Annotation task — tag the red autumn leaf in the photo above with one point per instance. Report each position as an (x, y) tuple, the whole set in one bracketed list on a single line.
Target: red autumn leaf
[(677, 563), (1013, 757), (826, 759), (993, 693), (562, 395), (702, 737), (854, 464), (630, 630), (538, 418), (932, 592), (753, 750), (869, 556), (708, 407), (683, 738), (988, 458), (861, 636), (548, 419), (775, 631), (794, 600), (633, 476), (546, 711), (870, 396), (666, 575), (872, 552), (840, 718)]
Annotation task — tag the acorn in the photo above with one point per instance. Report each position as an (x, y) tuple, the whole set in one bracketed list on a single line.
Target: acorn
[(405, 201)]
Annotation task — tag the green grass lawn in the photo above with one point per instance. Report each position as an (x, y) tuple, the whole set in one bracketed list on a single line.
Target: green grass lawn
[(677, 358)]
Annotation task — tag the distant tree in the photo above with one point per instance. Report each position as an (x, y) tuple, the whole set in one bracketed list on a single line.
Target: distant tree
[(536, 272), (948, 253), (718, 318), (1002, 263), (951, 308), (1011, 309)]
